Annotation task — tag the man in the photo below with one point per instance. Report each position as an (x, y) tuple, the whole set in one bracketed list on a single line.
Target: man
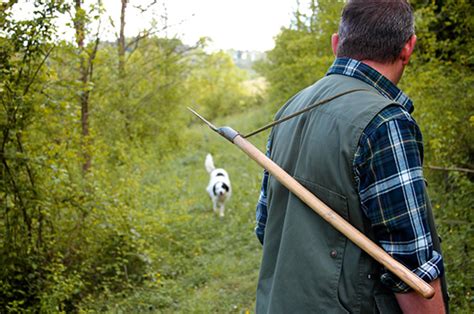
[(362, 155)]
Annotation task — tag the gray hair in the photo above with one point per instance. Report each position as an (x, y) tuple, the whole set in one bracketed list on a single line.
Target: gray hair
[(375, 30)]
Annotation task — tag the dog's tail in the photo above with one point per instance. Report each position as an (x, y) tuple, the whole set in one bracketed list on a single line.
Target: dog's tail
[(209, 163)]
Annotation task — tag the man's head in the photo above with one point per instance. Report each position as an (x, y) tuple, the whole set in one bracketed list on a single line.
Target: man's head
[(379, 33), (375, 30)]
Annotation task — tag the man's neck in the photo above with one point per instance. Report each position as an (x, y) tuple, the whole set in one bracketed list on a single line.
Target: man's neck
[(392, 71)]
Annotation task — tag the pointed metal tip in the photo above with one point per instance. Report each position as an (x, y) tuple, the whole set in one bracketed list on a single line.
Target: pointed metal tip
[(209, 124)]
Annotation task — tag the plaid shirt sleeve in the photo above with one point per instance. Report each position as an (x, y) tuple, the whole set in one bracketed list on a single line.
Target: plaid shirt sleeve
[(261, 212), (388, 168)]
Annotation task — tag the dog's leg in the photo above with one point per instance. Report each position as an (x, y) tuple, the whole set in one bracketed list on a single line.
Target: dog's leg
[(221, 210), (214, 205)]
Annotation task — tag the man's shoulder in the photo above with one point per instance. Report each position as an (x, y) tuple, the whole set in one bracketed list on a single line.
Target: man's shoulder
[(391, 113)]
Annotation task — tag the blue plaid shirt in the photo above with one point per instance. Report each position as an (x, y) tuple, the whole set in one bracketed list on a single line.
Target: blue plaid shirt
[(388, 171)]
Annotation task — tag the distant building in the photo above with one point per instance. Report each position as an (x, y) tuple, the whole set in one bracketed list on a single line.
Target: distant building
[(245, 59)]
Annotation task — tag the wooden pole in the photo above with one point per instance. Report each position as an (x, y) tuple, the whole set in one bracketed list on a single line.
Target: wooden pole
[(333, 218)]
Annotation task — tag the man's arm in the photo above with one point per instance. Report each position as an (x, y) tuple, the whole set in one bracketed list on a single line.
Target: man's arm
[(412, 302), (261, 212), (392, 192)]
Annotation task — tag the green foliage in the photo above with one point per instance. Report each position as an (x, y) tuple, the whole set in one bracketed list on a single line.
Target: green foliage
[(291, 65), (25, 244), (445, 29), (216, 85), (145, 107), (302, 52), (442, 96), (69, 237)]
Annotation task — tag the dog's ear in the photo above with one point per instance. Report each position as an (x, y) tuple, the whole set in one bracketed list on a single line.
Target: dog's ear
[(214, 189), (226, 188)]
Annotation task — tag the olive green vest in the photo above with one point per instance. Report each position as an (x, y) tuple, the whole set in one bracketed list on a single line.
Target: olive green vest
[(307, 265)]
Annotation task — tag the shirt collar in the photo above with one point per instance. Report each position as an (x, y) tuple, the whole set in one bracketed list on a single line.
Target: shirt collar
[(367, 74)]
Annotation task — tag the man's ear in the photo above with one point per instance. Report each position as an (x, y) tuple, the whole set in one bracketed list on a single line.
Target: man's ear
[(334, 43), (407, 50)]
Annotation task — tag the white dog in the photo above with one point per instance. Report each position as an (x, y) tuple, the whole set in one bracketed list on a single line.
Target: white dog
[(219, 188)]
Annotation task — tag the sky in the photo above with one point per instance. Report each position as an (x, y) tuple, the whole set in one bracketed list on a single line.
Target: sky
[(231, 24)]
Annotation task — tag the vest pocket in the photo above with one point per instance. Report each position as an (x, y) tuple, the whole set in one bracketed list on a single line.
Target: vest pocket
[(336, 249), (337, 202)]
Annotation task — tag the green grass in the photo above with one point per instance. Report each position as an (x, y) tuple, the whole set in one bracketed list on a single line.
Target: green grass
[(200, 263)]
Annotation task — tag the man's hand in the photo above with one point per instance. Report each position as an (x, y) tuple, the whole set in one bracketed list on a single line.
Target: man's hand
[(412, 302)]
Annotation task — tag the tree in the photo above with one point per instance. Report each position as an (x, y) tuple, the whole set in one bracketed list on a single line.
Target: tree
[(86, 65), (24, 50), (216, 85), (302, 51), (125, 49)]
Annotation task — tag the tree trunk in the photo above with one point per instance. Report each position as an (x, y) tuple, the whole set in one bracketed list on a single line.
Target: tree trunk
[(121, 40), (84, 73), (122, 72)]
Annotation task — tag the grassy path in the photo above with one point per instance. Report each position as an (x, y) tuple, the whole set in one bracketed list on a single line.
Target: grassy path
[(201, 263), (223, 278)]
